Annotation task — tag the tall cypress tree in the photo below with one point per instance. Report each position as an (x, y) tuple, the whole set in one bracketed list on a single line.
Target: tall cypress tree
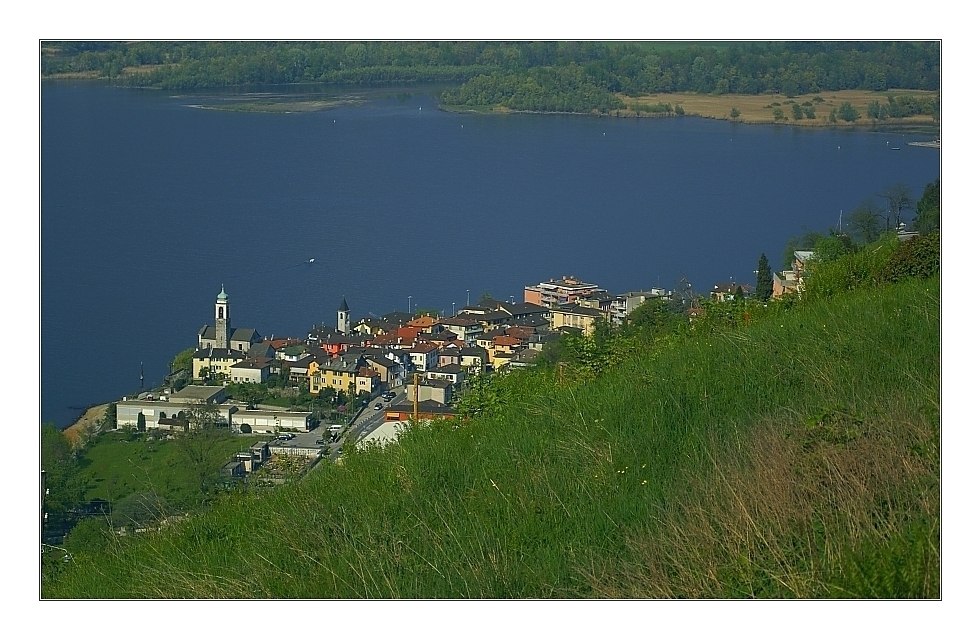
[(763, 285)]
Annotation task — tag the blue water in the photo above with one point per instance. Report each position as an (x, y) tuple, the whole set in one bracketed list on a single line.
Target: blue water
[(149, 205)]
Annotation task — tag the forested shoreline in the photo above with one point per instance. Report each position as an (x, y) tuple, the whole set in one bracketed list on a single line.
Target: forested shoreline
[(576, 76)]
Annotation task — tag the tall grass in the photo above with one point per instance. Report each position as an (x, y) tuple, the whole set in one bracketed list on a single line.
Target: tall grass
[(794, 457)]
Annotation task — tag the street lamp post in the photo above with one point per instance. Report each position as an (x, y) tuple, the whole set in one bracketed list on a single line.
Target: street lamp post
[(467, 297), (409, 304)]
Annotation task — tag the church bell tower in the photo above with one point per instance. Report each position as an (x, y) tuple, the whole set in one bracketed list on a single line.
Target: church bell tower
[(343, 318), (221, 319)]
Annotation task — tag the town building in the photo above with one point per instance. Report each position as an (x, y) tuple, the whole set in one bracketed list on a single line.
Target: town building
[(728, 291), (212, 363), (452, 373), (465, 328), (338, 373), (387, 432), (554, 293), (391, 373), (248, 421), (427, 410), (371, 326), (438, 390), (577, 317), (524, 358), (624, 304), (474, 359), (424, 356), (791, 280), (174, 411), (254, 370)]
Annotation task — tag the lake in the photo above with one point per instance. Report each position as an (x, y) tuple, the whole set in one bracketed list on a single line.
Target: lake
[(149, 204)]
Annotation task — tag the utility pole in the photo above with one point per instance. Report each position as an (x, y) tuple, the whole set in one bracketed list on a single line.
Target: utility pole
[(415, 413)]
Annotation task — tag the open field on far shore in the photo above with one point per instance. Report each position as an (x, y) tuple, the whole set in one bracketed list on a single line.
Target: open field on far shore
[(755, 109)]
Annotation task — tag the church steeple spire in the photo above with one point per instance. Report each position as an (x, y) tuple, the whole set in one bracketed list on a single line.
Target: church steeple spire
[(343, 318)]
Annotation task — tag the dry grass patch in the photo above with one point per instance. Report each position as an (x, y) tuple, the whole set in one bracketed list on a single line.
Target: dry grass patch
[(790, 513), (756, 109), (79, 432)]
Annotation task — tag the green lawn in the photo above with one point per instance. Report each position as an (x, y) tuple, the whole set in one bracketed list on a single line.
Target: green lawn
[(114, 467)]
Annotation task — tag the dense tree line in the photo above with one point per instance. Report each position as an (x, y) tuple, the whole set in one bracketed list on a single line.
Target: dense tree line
[(562, 89), (903, 106), (559, 76)]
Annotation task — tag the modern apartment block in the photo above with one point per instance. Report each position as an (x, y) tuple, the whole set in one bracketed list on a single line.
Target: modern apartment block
[(553, 293)]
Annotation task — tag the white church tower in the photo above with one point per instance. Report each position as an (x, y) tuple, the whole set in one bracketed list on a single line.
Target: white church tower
[(343, 318)]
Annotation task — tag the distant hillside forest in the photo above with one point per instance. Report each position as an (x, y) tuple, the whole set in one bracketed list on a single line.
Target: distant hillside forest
[(561, 76)]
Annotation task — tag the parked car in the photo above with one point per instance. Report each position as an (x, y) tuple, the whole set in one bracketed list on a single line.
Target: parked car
[(378, 406), (319, 442)]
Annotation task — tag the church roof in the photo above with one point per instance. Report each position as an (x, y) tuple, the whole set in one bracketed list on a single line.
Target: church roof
[(245, 334), (222, 296), (343, 306), (210, 352), (237, 334)]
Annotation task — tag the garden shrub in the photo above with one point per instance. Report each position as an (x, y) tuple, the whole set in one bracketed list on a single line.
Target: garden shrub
[(850, 271), (917, 257)]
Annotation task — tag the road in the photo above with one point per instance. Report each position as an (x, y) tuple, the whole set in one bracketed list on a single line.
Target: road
[(370, 418)]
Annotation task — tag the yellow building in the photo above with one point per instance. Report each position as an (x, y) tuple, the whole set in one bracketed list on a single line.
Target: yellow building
[(575, 317), (215, 363), (338, 373)]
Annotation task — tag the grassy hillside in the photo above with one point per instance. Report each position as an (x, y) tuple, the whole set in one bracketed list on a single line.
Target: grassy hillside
[(119, 466), (795, 456)]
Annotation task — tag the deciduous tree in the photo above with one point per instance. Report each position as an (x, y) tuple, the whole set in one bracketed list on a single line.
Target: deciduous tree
[(866, 221), (848, 113), (199, 444), (899, 198), (831, 247)]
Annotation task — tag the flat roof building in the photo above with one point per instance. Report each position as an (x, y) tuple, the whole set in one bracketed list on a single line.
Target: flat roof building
[(555, 292), (204, 394)]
